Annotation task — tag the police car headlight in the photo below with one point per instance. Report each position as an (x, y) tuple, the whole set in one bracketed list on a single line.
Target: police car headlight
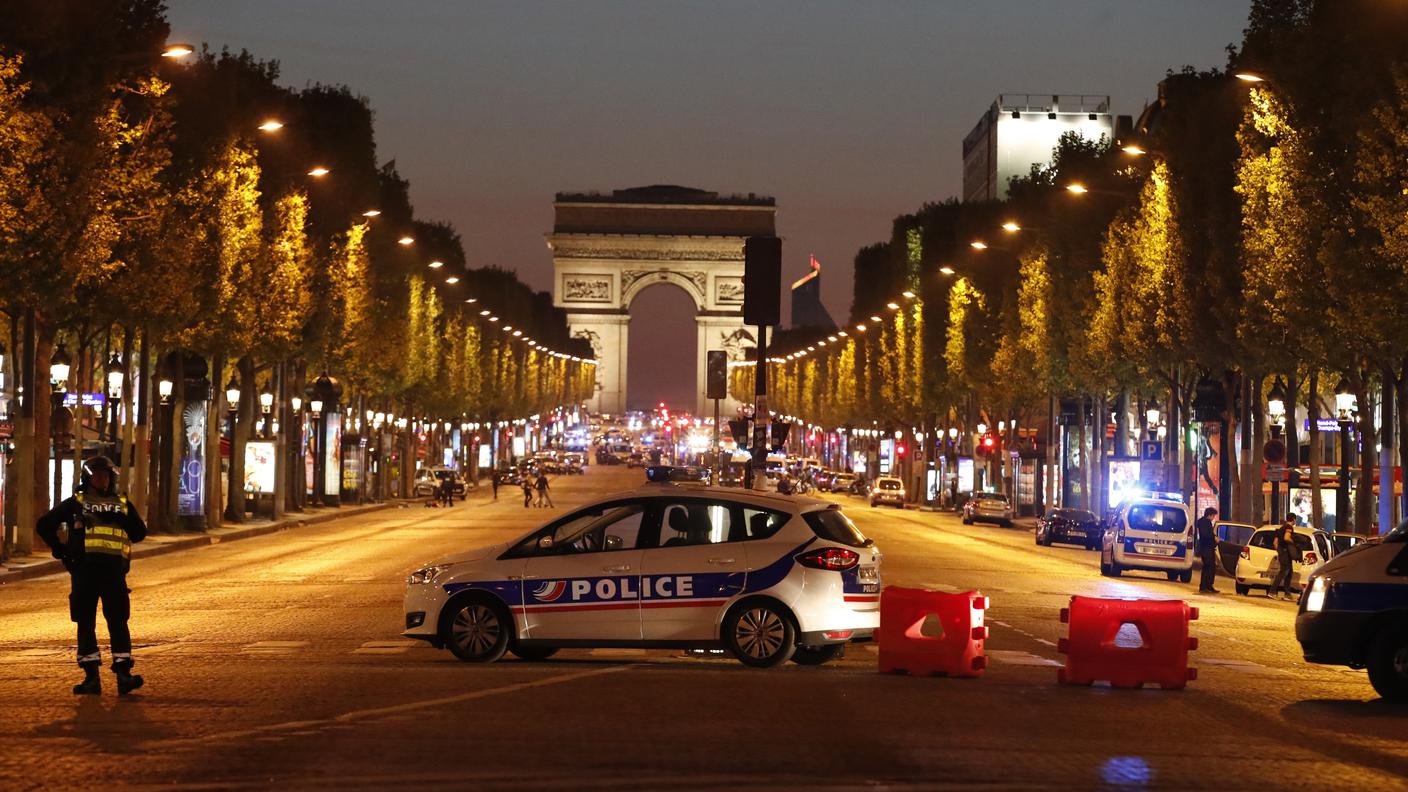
[(1315, 600), (426, 574)]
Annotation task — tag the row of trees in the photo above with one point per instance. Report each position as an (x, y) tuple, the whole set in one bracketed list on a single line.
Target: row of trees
[(1252, 228), (149, 205)]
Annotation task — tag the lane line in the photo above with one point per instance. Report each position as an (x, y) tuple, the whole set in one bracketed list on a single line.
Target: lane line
[(394, 709)]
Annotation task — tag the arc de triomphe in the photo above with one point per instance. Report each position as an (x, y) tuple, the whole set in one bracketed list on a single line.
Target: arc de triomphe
[(606, 249)]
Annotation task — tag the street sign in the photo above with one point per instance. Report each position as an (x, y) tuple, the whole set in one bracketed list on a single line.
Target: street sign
[(89, 399), (1151, 451), (1275, 472)]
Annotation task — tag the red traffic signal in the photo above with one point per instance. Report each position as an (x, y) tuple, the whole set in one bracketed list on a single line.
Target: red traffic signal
[(899, 449)]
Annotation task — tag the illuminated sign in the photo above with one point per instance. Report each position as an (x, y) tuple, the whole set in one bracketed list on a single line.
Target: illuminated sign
[(88, 400)]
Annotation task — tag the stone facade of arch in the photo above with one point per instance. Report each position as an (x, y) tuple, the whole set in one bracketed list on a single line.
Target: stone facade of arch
[(609, 248)]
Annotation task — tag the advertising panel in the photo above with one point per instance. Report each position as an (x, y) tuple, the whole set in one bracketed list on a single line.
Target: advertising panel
[(259, 467), (190, 498), (965, 474), (1124, 479), (486, 456), (1208, 458), (332, 452), (1026, 482)]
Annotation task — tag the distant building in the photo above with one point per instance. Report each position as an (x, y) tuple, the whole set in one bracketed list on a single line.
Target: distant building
[(807, 308), (1021, 130)]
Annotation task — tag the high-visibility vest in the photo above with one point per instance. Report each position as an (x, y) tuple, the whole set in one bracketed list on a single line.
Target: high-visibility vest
[(102, 516)]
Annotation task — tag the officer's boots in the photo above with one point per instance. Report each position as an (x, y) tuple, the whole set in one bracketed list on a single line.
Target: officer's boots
[(126, 680), (91, 684)]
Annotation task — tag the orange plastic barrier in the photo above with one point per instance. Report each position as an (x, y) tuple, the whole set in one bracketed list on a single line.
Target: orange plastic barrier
[(1154, 651), (932, 632)]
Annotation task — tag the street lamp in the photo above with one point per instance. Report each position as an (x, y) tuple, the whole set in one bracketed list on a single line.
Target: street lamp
[(59, 365), (1276, 409), (1151, 420), (318, 171), (177, 50), (1344, 409), (315, 406), (271, 125), (296, 403), (232, 394), (116, 375), (266, 399), (164, 387)]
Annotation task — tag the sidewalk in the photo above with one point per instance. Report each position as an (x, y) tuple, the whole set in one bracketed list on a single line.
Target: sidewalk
[(39, 564)]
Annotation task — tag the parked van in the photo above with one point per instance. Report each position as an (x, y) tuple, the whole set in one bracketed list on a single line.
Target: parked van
[(1354, 612), (1152, 532)]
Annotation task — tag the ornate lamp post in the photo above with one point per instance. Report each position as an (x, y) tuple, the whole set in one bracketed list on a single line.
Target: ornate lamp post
[(1276, 411), (61, 418), (1344, 413), (116, 376), (266, 407)]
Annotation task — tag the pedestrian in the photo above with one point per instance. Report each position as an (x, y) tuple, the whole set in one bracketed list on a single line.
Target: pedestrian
[(447, 491), (96, 550), (544, 497), (1285, 544), (527, 492), (1207, 550), (494, 480)]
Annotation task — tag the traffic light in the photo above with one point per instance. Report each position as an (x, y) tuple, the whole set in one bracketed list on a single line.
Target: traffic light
[(899, 449), (716, 379), (762, 281)]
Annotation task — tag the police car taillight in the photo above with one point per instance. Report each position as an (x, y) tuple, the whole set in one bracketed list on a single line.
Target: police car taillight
[(835, 559), (1246, 552), (1309, 558)]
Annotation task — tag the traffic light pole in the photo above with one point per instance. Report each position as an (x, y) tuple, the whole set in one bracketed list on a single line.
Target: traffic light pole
[(762, 432)]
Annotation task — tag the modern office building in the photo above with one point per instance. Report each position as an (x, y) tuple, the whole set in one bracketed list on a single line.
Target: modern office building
[(1021, 130), (807, 308)]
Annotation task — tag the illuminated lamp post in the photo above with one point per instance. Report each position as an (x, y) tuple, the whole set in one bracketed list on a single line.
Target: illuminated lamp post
[(1276, 411), (1344, 413), (116, 376), (61, 418)]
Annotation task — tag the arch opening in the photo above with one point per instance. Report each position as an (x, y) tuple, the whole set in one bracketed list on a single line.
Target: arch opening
[(661, 363)]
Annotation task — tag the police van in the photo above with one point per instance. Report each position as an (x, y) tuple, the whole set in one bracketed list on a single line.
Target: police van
[(671, 565), (1354, 612), (1149, 531)]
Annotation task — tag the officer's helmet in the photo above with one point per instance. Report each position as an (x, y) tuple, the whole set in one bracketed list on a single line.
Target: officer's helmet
[(98, 464)]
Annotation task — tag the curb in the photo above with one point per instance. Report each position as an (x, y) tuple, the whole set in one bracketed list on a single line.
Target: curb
[(52, 565)]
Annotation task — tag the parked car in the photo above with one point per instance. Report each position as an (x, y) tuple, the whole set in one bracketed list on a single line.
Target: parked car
[(427, 482), (888, 489), (1256, 559), (1072, 526), (1231, 538), (840, 482), (988, 507), (574, 464)]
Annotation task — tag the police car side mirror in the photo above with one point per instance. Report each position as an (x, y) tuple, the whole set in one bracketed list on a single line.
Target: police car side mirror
[(614, 542)]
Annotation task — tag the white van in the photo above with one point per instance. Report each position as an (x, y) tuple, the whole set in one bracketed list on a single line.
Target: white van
[(1152, 532), (1354, 612)]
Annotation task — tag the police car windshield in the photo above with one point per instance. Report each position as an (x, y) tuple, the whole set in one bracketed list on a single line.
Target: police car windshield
[(1399, 534), (1145, 517)]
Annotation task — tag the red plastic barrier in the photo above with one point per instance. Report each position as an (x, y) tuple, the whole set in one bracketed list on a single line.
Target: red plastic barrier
[(1092, 652), (907, 646)]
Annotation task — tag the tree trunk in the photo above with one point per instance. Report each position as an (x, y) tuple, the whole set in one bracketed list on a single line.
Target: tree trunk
[(1085, 501), (1387, 438), (1402, 403), (1364, 512), (1097, 447), (239, 435), (1258, 439), (1317, 507)]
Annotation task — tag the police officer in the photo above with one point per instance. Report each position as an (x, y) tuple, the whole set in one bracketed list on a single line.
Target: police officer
[(101, 527), (1285, 544), (1207, 550)]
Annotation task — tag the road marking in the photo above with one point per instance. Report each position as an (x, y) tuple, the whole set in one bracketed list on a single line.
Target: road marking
[(386, 647), (274, 647), (272, 730), (1244, 666), (1013, 657)]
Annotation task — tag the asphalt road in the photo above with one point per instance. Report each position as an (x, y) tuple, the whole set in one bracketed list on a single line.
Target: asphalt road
[(276, 662)]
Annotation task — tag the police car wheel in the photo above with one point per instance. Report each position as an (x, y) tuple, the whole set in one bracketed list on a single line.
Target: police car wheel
[(1388, 664), (816, 655), (533, 653), (1186, 576), (759, 635), (1243, 590), (477, 631), (1172, 575)]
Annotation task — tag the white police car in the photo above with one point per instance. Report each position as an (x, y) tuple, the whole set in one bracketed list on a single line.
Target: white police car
[(667, 565), (1354, 612), (1152, 532)]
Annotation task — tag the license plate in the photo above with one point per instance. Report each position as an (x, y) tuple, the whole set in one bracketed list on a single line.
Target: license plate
[(868, 575), (1149, 549)]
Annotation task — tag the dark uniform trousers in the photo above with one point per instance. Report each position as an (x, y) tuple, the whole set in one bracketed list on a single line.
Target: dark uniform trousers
[(91, 585), (1209, 569)]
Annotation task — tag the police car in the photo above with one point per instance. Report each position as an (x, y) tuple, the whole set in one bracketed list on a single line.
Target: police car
[(1150, 531), (1354, 612), (767, 577)]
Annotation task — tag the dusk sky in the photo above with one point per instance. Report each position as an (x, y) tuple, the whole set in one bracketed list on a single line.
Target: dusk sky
[(849, 113)]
